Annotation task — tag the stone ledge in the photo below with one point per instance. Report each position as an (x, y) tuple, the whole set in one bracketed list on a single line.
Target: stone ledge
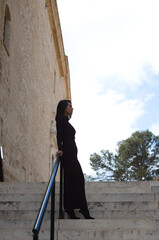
[(109, 235), (115, 224)]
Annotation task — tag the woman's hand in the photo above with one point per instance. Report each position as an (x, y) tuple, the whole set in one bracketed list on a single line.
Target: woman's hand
[(59, 153)]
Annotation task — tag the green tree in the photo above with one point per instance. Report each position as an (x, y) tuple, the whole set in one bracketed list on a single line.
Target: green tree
[(136, 158)]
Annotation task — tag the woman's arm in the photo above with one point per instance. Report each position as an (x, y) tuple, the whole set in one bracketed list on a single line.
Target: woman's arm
[(60, 125)]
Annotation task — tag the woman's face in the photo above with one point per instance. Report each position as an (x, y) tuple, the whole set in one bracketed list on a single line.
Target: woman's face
[(69, 109)]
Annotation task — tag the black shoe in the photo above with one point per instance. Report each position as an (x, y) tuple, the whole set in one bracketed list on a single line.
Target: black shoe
[(85, 213), (71, 214)]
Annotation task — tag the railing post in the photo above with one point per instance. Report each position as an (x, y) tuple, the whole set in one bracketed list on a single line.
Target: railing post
[(61, 191), (52, 227), (35, 237)]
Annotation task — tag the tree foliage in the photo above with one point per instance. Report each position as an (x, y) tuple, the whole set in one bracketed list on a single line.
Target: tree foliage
[(136, 158)]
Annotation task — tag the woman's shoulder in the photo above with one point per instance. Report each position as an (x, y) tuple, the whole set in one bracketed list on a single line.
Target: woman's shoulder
[(62, 119)]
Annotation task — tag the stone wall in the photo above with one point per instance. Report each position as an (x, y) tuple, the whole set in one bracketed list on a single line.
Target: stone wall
[(34, 76)]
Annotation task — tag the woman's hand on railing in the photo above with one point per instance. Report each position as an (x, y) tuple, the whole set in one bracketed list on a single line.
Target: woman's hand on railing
[(59, 153)]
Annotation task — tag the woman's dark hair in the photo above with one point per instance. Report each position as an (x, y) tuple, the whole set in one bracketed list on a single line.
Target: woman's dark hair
[(62, 105)]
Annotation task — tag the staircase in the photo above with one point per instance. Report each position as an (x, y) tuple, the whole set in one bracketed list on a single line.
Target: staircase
[(122, 211)]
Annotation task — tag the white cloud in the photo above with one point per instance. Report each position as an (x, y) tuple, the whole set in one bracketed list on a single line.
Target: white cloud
[(148, 97), (102, 120), (110, 37), (110, 45)]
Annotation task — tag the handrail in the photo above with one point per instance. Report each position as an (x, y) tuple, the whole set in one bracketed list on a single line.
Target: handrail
[(49, 191)]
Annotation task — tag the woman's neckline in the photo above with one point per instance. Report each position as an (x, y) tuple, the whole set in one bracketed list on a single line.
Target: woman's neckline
[(66, 117)]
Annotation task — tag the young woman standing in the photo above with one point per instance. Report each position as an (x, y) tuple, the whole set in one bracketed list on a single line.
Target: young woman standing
[(74, 189)]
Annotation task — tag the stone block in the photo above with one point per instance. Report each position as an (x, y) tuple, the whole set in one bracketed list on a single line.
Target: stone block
[(102, 206), (117, 187), (120, 197), (109, 224), (108, 235), (155, 189)]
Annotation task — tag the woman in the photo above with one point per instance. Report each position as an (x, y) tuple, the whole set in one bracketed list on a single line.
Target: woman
[(74, 192)]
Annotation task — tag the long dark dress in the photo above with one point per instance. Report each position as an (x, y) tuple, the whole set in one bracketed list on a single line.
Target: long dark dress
[(74, 190)]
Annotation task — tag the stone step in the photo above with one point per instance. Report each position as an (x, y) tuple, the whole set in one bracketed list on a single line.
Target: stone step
[(109, 224), (125, 214), (122, 211), (114, 197), (99, 228), (121, 197), (91, 187), (83, 235), (23, 187), (23, 234), (21, 215), (109, 235), (107, 214), (34, 205), (101, 206), (20, 197), (118, 187), (26, 224)]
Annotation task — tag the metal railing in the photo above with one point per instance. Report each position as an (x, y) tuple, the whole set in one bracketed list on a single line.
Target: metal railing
[(50, 191)]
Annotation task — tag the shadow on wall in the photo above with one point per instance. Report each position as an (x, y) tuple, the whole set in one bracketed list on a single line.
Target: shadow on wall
[(1, 164)]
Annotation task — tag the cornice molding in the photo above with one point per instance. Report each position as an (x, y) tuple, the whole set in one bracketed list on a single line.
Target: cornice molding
[(58, 41)]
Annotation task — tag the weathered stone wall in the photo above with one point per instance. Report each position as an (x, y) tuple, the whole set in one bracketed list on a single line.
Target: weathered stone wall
[(31, 84)]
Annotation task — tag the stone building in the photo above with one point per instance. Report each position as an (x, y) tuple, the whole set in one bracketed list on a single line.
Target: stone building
[(34, 76)]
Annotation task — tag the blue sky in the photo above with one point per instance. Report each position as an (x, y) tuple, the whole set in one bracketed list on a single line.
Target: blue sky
[(113, 51)]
